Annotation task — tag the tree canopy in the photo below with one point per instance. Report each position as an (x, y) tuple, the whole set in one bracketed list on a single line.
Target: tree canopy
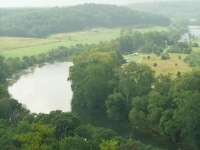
[(41, 22)]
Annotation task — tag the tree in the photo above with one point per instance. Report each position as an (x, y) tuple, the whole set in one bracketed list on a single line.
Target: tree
[(156, 107), (193, 59), (169, 126), (138, 40), (3, 92), (135, 80), (35, 139), (65, 124), (84, 131), (77, 143), (103, 133), (3, 70), (165, 56), (11, 110), (109, 145), (116, 107), (187, 116), (180, 47), (92, 76)]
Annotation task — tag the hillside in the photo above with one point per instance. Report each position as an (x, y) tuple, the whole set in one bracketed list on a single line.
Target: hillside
[(40, 22), (172, 9)]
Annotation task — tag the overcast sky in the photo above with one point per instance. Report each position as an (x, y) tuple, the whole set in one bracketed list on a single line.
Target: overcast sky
[(46, 3)]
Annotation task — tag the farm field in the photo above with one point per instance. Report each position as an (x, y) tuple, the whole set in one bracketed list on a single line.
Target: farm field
[(168, 66), (156, 28), (19, 47)]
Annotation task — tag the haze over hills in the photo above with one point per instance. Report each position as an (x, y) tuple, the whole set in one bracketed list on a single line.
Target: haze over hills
[(173, 9), (40, 22), (53, 3)]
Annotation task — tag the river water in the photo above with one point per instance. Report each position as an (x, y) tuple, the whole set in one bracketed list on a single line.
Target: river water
[(44, 89), (194, 30)]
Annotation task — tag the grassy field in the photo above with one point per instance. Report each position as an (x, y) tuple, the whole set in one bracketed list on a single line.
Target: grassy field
[(168, 66), (159, 29), (18, 47)]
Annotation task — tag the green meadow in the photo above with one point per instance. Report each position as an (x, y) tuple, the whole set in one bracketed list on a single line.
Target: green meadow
[(172, 65), (19, 47)]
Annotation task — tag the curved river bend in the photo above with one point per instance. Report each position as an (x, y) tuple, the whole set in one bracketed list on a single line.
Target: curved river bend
[(44, 89)]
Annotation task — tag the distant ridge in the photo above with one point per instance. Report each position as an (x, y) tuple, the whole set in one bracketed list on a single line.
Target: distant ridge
[(41, 22)]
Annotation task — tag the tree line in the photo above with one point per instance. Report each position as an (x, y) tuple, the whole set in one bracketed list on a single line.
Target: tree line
[(41, 22), (129, 41), (103, 83), (131, 93), (171, 9)]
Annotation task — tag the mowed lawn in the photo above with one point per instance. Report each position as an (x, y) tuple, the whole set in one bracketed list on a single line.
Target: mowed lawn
[(168, 66), (19, 47)]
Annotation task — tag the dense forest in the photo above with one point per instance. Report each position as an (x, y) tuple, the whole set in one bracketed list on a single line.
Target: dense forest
[(103, 83), (181, 11), (21, 129), (167, 106), (41, 22)]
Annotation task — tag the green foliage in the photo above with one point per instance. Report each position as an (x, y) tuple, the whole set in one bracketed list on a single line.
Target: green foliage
[(165, 56), (193, 59), (64, 122), (172, 9), (180, 47), (169, 126), (92, 75), (41, 22), (3, 70), (149, 42), (138, 114), (11, 110), (178, 74), (155, 107), (36, 138), (132, 145), (109, 145), (116, 107), (189, 82), (84, 131), (4, 92), (187, 115), (7, 131), (77, 143), (195, 44), (103, 133)]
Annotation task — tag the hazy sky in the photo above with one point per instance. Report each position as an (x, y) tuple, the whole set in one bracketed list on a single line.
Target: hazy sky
[(44, 3)]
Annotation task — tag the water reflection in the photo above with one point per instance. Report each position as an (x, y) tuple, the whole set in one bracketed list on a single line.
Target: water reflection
[(195, 30), (44, 89)]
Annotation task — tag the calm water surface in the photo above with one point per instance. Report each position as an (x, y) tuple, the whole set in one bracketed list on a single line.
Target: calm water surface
[(195, 30), (44, 89)]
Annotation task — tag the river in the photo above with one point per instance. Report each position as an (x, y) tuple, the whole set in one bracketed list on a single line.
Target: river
[(44, 89), (194, 30)]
